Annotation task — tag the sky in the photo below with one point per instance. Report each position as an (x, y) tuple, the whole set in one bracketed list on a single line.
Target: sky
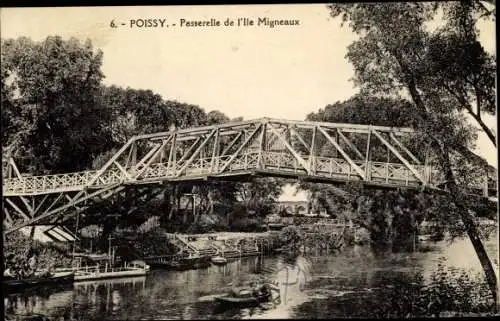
[(253, 71)]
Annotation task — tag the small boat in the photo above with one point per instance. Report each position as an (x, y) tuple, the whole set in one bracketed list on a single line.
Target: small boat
[(244, 298), (181, 264), (220, 260), (139, 264), (190, 263), (136, 268), (11, 284), (112, 273), (159, 265), (27, 317), (131, 280)]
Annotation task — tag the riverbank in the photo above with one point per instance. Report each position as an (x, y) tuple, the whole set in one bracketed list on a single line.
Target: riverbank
[(227, 244)]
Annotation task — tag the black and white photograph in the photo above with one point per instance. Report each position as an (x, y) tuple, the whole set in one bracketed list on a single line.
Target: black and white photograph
[(278, 161)]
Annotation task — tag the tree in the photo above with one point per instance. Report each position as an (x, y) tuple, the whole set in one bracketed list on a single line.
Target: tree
[(291, 237), (388, 59), (49, 110), (217, 117), (458, 64), (136, 112), (259, 194), (187, 115)]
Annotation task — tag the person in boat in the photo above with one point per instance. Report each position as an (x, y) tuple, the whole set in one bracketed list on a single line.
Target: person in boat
[(256, 289), (264, 290)]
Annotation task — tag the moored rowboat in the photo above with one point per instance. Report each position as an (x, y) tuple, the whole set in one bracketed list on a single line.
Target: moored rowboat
[(99, 275), (219, 260), (56, 278), (245, 298)]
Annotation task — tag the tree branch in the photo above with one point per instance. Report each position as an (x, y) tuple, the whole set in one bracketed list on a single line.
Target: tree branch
[(477, 116)]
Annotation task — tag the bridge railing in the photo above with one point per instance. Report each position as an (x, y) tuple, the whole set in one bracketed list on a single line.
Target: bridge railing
[(34, 184), (389, 173)]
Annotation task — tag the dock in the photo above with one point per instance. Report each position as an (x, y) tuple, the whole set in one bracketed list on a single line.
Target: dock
[(98, 272)]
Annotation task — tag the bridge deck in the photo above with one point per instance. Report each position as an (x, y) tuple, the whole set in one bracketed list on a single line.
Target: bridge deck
[(234, 151), (272, 163)]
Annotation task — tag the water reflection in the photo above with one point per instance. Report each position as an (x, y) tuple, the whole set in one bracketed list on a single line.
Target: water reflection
[(340, 285)]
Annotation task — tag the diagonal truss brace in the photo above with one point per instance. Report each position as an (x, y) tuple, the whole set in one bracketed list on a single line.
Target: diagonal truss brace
[(302, 162), (196, 152), (66, 206), (300, 138), (240, 148), (350, 144), (415, 159), (360, 172), (401, 158)]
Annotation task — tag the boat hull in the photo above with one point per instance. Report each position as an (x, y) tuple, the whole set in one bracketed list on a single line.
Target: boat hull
[(182, 264), (11, 285), (219, 260), (88, 276), (229, 300)]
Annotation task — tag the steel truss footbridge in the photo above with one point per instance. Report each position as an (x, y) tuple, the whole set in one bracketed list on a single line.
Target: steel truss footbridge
[(265, 147)]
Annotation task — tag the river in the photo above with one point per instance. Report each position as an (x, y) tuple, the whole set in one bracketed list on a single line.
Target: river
[(339, 285)]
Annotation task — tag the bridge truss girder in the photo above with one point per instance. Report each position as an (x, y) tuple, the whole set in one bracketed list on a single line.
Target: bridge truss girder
[(264, 146)]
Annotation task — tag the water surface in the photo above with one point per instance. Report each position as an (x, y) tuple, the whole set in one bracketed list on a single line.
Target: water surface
[(341, 285)]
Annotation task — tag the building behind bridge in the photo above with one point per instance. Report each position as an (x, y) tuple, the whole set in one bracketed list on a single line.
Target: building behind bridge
[(296, 208)]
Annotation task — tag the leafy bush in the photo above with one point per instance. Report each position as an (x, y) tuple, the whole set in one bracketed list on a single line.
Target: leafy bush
[(153, 243), (449, 292), (18, 248), (290, 235)]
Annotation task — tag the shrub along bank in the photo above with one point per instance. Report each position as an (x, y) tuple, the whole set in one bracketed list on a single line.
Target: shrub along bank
[(19, 249)]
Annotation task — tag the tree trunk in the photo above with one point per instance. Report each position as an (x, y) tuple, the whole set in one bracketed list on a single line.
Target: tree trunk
[(456, 195), (487, 131), (469, 224), (476, 115)]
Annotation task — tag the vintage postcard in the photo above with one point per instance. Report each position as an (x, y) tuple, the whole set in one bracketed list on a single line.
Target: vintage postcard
[(283, 161)]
